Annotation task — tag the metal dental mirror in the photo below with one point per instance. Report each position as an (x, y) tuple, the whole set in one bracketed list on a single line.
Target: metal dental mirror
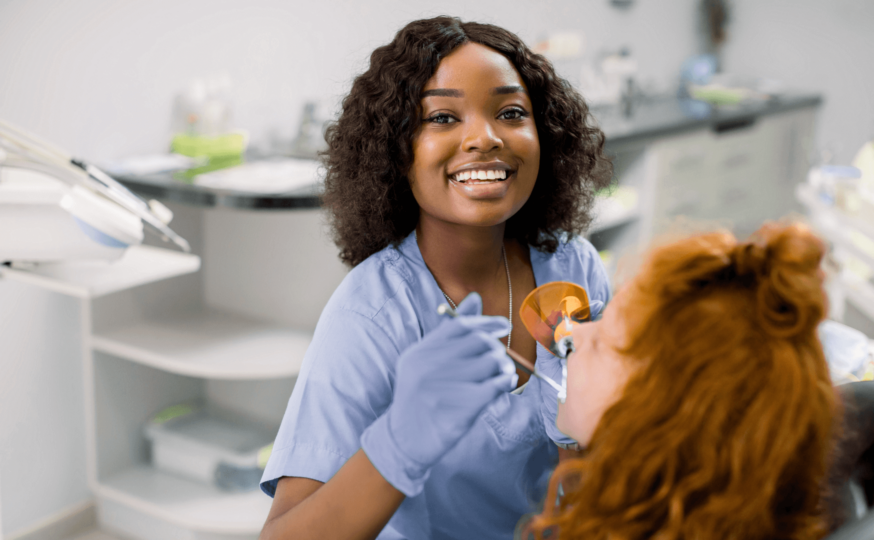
[(549, 313)]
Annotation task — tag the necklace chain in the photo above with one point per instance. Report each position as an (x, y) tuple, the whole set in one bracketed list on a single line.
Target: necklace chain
[(509, 287)]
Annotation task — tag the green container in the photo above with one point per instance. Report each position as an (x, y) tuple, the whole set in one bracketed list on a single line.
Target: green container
[(219, 146)]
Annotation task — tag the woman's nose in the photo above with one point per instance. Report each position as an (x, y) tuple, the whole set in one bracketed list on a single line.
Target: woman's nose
[(481, 136)]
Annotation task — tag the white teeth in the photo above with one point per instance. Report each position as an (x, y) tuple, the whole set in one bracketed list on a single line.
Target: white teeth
[(481, 175)]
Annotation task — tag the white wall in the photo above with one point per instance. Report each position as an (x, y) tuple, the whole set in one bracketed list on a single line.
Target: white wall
[(42, 413), (825, 46), (98, 76)]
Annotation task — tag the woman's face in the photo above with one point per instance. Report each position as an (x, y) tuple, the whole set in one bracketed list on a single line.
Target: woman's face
[(596, 371), (476, 153)]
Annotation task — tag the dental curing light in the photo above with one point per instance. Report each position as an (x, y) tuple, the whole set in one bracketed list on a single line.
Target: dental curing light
[(54, 207)]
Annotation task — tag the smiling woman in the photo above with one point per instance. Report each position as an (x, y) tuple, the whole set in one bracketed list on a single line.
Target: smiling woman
[(461, 170), (477, 125), (371, 145)]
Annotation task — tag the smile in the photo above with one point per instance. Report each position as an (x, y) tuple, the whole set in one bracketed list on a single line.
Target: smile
[(479, 176)]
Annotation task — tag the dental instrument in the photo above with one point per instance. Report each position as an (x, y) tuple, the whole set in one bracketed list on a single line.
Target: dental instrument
[(103, 209), (518, 359), (550, 313)]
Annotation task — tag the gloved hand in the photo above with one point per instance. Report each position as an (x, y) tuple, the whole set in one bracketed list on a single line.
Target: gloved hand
[(443, 383), (550, 365)]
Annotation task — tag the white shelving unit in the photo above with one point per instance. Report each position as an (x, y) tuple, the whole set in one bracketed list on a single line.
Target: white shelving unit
[(209, 344), (180, 503), (138, 266), (844, 231), (154, 334)]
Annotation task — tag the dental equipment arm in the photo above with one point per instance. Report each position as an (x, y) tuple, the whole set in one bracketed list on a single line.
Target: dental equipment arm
[(19, 149)]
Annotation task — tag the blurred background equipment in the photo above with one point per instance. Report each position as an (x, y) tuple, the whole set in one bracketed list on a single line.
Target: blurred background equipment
[(200, 444), (50, 212), (840, 202)]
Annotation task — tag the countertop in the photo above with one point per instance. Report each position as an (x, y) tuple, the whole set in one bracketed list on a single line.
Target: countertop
[(667, 116), (649, 119)]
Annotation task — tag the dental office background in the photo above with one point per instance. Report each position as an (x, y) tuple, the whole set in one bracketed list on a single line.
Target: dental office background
[(99, 79)]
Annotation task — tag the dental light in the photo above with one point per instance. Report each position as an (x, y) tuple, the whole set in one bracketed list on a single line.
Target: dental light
[(87, 215)]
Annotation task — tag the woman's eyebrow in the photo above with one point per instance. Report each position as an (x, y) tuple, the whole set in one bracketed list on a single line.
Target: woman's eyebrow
[(443, 92), (508, 89)]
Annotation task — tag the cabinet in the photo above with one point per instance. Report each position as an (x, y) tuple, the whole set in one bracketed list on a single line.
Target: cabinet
[(736, 173)]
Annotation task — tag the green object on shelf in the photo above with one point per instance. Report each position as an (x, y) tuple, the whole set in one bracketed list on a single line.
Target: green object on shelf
[(214, 164), (718, 95), (229, 144), (171, 412), (264, 455)]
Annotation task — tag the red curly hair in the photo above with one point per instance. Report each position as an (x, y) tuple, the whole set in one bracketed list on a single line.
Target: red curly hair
[(723, 431)]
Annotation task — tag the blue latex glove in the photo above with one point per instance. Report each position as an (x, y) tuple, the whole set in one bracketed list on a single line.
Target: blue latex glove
[(551, 366), (443, 383)]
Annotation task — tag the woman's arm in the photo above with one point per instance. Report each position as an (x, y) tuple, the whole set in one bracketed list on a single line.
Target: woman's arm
[(356, 504)]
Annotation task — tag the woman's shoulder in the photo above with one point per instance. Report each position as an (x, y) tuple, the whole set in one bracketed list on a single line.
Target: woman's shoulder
[(577, 247), (382, 283), (575, 260), (574, 253)]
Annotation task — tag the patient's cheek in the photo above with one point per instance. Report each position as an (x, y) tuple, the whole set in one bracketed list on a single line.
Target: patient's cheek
[(560, 418), (571, 416)]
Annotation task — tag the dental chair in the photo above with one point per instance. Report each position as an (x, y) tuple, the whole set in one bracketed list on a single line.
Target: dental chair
[(850, 493)]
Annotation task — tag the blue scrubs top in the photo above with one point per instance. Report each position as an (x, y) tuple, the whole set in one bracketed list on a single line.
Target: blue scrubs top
[(500, 468)]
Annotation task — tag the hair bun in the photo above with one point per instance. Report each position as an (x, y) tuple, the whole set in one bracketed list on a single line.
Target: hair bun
[(785, 259), (750, 258)]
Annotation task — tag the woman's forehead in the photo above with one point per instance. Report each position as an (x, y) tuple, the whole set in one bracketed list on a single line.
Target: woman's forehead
[(473, 64)]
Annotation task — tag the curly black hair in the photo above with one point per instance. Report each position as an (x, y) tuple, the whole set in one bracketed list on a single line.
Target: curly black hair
[(370, 146)]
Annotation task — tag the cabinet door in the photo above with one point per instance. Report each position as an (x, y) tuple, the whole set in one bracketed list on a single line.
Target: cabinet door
[(744, 175), (740, 177), (683, 166)]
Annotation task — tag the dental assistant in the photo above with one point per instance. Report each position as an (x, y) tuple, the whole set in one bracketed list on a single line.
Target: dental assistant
[(461, 170)]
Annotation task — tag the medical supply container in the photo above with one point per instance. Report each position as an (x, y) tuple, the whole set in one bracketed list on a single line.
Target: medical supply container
[(201, 445)]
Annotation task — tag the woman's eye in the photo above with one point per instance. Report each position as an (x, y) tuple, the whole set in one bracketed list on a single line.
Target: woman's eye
[(441, 119), (513, 114)]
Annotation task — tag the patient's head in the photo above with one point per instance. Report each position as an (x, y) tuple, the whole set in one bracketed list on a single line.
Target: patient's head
[(703, 396)]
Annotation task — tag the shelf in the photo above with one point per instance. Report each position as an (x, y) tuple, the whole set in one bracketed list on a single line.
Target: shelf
[(860, 294), (166, 186), (209, 344), (662, 116), (89, 279), (806, 195), (187, 504)]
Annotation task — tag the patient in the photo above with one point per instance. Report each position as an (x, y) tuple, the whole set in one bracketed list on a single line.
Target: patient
[(702, 397)]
